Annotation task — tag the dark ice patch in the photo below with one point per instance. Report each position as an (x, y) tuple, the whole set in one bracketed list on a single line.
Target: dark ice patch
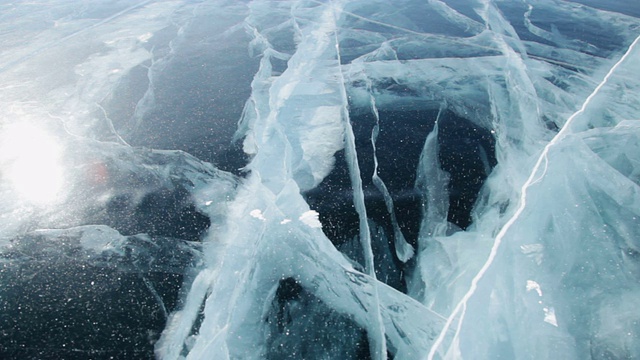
[(467, 153), (59, 300), (164, 212), (301, 326)]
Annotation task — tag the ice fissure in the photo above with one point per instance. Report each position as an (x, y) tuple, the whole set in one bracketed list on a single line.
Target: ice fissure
[(320, 179)]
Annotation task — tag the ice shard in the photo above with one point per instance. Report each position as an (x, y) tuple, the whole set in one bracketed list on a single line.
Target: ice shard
[(320, 179)]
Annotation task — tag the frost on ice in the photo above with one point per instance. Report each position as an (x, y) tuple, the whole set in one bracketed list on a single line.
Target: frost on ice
[(336, 179)]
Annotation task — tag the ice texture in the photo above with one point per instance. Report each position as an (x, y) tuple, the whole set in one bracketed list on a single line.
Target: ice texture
[(320, 179), (83, 287)]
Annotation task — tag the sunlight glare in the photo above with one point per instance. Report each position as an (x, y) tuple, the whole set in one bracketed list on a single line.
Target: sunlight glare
[(30, 159)]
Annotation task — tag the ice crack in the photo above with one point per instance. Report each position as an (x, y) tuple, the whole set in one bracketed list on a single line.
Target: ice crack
[(461, 307)]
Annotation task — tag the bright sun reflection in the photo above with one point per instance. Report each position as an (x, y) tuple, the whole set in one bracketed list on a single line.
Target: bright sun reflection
[(31, 162)]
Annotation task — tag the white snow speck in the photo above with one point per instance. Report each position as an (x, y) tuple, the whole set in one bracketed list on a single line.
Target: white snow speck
[(310, 218), (256, 213)]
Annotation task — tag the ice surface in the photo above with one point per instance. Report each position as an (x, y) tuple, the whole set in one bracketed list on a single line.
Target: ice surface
[(57, 280), (435, 179)]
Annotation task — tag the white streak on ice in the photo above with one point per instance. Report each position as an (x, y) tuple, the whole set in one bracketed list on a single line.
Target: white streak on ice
[(378, 343)]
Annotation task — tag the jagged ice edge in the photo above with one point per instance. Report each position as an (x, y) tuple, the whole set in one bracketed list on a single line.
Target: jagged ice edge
[(461, 307)]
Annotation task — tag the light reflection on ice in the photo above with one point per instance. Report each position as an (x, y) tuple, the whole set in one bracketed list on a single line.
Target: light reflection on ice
[(30, 158)]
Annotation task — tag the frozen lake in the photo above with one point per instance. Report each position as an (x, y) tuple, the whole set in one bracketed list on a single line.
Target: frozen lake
[(343, 179)]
